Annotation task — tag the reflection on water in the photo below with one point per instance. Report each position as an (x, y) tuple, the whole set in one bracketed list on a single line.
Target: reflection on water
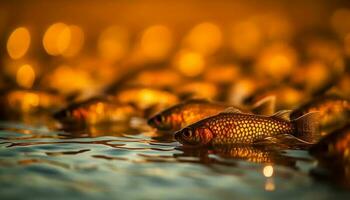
[(112, 163)]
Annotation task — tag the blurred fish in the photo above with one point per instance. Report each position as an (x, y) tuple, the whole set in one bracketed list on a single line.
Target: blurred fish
[(334, 111), (96, 111), (146, 98), (188, 112), (234, 127)]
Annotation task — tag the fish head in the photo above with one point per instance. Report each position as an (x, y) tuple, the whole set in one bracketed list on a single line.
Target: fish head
[(194, 136), (159, 121), (166, 120)]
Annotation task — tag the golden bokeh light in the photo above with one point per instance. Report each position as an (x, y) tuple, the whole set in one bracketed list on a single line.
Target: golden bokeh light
[(146, 97), (204, 38), (222, 73), (270, 185), (74, 80), (75, 41), (26, 102), (156, 42), (25, 76), (18, 43), (113, 43), (246, 39), (56, 39), (268, 171), (190, 63), (276, 61)]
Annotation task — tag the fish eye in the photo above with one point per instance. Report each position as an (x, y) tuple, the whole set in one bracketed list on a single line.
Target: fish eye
[(187, 132)]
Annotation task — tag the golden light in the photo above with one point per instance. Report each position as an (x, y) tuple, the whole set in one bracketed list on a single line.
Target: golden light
[(276, 27), (317, 74), (204, 38), (277, 61), (246, 39), (75, 79), (113, 43), (222, 73), (347, 45), (270, 185), (338, 22), (56, 39), (76, 41), (26, 102), (190, 63), (25, 76), (291, 97), (268, 171), (18, 43), (146, 98), (156, 42)]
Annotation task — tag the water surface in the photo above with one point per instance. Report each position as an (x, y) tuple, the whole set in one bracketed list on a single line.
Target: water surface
[(39, 162)]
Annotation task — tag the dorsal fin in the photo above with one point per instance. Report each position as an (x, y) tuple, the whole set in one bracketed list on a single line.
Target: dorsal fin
[(282, 114), (231, 110), (265, 106)]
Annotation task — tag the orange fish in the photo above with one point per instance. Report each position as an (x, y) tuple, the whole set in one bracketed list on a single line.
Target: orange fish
[(96, 111), (234, 127)]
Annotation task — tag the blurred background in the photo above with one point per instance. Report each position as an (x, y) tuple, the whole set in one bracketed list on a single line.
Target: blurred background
[(223, 50)]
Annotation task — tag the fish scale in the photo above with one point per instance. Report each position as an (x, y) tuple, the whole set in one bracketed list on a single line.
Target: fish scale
[(243, 128)]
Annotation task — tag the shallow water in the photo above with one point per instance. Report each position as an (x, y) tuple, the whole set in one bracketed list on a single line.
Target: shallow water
[(39, 162)]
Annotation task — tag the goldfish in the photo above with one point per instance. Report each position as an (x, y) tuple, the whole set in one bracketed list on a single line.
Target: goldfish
[(96, 111), (334, 111), (234, 127), (190, 111)]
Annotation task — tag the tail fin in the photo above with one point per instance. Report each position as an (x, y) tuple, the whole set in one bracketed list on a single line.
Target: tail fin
[(265, 106), (307, 127)]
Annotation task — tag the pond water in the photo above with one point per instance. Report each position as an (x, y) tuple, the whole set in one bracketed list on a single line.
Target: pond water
[(39, 162)]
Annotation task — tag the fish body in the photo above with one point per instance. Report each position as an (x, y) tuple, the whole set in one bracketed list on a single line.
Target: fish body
[(241, 128), (191, 111), (333, 111), (96, 111)]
